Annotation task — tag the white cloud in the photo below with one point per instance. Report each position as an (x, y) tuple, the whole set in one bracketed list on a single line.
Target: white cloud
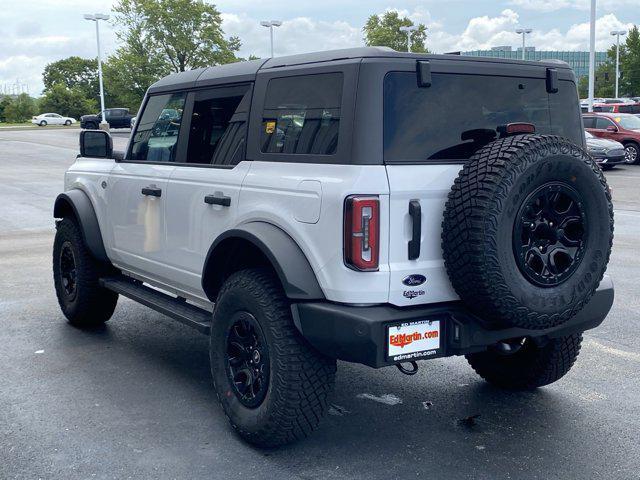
[(296, 35), (47, 30), (554, 5), (485, 32)]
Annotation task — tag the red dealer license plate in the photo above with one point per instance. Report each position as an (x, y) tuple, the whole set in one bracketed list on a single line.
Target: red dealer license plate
[(413, 340)]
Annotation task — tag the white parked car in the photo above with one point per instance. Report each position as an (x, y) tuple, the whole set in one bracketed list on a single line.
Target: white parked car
[(45, 119)]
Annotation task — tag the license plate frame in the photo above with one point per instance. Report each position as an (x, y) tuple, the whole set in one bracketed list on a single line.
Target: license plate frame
[(425, 346)]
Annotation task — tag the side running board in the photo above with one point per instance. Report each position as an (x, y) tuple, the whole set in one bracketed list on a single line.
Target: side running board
[(171, 306)]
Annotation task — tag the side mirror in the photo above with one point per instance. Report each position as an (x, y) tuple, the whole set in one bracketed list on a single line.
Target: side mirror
[(612, 129), (96, 144)]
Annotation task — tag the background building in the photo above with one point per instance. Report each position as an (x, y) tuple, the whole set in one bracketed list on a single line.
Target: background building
[(578, 61)]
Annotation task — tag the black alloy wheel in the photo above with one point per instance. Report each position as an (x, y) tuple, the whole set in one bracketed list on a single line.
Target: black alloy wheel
[(68, 271), (549, 234), (247, 359)]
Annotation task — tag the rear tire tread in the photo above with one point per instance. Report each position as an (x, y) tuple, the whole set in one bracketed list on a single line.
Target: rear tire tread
[(305, 378)]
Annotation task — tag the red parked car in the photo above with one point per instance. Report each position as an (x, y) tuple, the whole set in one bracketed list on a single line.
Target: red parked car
[(617, 107), (621, 127)]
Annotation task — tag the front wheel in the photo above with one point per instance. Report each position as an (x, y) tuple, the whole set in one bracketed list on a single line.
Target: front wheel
[(43, 123), (530, 366), (632, 153), (272, 385), (76, 277), (67, 123)]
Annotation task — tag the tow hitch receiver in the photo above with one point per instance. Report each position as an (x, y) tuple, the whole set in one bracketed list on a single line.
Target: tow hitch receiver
[(406, 371)]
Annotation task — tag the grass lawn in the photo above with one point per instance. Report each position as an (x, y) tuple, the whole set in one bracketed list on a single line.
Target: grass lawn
[(23, 124)]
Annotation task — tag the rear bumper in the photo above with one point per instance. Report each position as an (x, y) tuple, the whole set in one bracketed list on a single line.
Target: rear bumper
[(359, 334)]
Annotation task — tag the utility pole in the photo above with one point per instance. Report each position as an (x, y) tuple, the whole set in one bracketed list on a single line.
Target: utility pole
[(409, 30), (270, 24), (524, 32), (96, 18), (617, 33), (592, 55)]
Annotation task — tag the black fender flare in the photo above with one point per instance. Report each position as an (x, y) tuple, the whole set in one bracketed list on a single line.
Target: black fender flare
[(75, 203), (287, 259)]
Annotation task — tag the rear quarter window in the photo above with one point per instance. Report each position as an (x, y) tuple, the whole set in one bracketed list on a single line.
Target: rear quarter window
[(302, 114)]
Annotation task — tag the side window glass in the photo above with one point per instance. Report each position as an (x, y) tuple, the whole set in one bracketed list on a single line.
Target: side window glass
[(218, 125), (589, 122), (602, 123), (157, 130), (302, 114)]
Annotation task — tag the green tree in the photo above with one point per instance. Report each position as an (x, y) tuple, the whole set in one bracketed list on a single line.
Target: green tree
[(629, 70), (74, 73), (4, 102), (129, 72), (630, 64), (21, 109), (177, 34), (69, 102), (384, 31)]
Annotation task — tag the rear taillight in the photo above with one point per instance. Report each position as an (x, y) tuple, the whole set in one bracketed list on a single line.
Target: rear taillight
[(362, 232)]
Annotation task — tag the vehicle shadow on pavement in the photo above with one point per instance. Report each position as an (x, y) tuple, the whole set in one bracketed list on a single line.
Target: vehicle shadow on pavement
[(443, 422)]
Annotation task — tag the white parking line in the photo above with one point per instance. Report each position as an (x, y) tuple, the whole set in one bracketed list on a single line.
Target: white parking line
[(613, 351)]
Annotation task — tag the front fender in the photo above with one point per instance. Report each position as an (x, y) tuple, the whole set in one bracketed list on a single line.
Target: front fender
[(289, 262), (76, 204)]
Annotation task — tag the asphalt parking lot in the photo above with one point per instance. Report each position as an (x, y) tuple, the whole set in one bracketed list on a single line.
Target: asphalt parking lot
[(134, 399)]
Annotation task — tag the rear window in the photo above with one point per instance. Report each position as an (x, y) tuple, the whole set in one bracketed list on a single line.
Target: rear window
[(302, 114), (459, 114), (629, 108)]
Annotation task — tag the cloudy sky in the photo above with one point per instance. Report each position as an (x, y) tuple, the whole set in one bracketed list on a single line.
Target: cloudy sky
[(35, 32)]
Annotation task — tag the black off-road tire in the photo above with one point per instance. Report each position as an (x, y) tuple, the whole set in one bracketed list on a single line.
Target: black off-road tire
[(300, 379), (479, 231), (89, 304), (529, 368)]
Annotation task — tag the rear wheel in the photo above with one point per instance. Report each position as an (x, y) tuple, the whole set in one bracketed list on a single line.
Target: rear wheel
[(76, 277), (272, 385), (632, 153), (43, 123), (529, 367)]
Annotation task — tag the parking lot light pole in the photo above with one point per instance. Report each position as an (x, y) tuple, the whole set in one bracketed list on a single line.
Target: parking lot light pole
[(409, 30), (592, 55), (96, 18), (270, 24), (524, 32), (617, 33)]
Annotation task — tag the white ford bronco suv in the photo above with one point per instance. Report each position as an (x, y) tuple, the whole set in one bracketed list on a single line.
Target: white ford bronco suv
[(361, 205)]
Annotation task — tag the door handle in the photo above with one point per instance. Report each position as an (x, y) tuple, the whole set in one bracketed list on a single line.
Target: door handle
[(416, 229), (218, 200), (152, 191)]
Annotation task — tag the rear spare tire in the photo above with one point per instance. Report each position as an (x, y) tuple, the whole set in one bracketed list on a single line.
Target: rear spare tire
[(527, 231)]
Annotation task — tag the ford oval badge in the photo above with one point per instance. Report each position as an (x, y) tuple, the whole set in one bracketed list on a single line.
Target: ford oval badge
[(414, 280)]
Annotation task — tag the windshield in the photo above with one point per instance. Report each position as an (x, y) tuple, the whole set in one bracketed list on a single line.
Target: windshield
[(629, 122), (459, 114)]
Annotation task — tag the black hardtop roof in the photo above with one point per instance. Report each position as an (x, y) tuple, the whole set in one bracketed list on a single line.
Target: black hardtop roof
[(247, 70)]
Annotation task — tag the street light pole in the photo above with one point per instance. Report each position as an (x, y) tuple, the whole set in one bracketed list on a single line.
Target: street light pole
[(523, 32), (617, 34), (409, 30), (96, 18), (270, 24), (592, 55)]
